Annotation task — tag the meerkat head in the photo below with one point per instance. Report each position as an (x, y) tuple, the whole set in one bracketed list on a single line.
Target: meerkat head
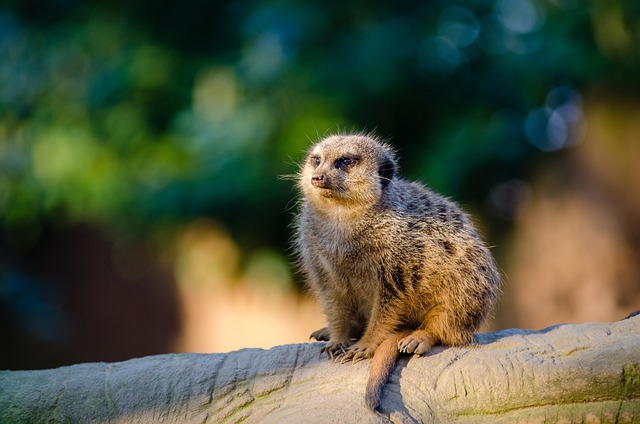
[(351, 170)]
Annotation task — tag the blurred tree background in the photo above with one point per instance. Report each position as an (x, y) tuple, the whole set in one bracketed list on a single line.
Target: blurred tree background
[(142, 145)]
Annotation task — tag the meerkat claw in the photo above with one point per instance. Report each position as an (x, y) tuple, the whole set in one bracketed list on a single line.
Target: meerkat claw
[(359, 357)]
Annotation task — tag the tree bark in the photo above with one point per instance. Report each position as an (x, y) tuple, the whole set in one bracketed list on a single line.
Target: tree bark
[(565, 373)]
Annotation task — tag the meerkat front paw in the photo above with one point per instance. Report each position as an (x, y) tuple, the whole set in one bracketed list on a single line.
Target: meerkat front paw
[(321, 335), (418, 342), (335, 349), (358, 352)]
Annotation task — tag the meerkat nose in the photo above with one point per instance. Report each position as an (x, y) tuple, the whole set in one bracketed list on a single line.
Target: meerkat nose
[(318, 180)]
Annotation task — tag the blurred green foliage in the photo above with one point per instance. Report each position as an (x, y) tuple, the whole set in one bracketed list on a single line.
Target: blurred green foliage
[(139, 115)]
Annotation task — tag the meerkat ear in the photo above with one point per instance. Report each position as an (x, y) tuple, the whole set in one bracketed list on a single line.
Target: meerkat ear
[(386, 170)]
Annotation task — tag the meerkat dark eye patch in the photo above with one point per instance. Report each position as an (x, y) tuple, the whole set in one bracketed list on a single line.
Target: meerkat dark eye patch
[(314, 161), (346, 162)]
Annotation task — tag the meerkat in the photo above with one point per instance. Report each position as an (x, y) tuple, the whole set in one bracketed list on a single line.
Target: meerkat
[(396, 267)]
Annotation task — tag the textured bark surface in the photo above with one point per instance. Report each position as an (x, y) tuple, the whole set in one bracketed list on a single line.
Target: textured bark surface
[(566, 373)]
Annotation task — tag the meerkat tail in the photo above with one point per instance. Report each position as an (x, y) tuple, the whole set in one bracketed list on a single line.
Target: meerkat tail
[(382, 364)]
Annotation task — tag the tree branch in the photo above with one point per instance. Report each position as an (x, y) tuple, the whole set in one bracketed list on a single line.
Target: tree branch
[(572, 373)]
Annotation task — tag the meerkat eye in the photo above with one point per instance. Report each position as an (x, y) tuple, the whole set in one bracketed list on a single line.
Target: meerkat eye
[(314, 161), (345, 162)]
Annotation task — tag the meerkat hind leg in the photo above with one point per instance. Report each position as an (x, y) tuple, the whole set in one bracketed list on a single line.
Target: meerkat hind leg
[(324, 334), (321, 335)]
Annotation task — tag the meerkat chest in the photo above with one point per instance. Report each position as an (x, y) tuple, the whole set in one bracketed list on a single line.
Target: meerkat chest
[(347, 247), (354, 261)]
